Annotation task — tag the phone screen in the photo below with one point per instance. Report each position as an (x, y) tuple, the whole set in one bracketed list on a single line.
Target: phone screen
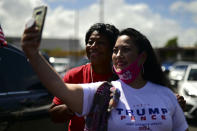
[(39, 14)]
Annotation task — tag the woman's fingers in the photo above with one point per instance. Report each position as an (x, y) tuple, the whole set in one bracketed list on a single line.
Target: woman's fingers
[(30, 23), (181, 101), (115, 95), (31, 32), (30, 36), (30, 40)]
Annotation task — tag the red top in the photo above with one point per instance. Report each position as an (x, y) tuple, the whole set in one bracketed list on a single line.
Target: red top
[(81, 74)]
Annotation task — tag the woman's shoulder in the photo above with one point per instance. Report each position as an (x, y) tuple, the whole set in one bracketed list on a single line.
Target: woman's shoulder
[(78, 69), (159, 87), (163, 90)]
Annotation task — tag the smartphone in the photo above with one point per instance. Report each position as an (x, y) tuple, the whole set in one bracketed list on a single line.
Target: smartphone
[(39, 14)]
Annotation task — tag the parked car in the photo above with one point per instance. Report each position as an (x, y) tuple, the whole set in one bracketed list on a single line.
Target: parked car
[(61, 65), (22, 96), (82, 61), (177, 71), (166, 65), (188, 89)]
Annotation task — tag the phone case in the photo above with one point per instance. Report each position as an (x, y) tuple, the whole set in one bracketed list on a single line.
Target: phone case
[(39, 15)]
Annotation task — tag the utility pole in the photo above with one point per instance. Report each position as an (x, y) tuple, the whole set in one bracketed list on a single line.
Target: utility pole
[(101, 10), (76, 24)]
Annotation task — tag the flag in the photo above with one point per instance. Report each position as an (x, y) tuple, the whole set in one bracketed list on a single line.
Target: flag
[(2, 37)]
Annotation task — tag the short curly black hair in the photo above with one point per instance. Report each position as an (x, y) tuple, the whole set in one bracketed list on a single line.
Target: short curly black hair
[(110, 31)]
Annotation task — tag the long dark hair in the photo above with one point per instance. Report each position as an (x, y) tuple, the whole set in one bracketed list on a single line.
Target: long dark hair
[(152, 67)]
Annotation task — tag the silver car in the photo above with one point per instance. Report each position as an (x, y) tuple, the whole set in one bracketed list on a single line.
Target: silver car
[(188, 89), (177, 71)]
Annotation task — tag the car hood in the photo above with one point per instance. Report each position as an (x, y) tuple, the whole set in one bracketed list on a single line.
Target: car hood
[(190, 86)]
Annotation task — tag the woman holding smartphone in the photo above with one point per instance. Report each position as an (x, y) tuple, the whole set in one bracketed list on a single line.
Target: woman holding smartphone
[(145, 104)]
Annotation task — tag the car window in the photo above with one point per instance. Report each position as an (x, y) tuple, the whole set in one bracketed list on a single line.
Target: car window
[(82, 61), (181, 67), (2, 84), (192, 75), (16, 72)]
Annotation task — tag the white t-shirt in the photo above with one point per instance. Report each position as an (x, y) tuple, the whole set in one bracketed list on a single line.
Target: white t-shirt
[(151, 108)]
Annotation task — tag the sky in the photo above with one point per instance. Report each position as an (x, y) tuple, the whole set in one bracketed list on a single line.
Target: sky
[(159, 20)]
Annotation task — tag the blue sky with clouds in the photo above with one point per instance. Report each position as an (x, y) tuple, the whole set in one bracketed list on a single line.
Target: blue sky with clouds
[(162, 7), (158, 20)]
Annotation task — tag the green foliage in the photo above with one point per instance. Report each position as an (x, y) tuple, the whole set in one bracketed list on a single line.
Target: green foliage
[(9, 41), (57, 49), (172, 42), (195, 44)]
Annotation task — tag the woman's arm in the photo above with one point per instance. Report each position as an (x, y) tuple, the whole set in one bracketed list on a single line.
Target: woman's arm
[(70, 94)]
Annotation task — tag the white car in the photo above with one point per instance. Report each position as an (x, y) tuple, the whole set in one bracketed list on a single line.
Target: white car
[(188, 89), (177, 71), (61, 65)]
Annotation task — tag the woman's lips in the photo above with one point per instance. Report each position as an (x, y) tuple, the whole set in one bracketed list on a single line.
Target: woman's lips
[(121, 64), (94, 54)]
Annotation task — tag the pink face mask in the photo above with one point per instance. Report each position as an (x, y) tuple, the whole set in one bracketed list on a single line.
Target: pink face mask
[(130, 73)]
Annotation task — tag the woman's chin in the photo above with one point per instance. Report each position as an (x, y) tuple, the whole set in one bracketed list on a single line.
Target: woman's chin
[(118, 69)]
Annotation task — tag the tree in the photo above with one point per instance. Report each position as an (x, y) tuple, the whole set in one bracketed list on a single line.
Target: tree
[(172, 42), (195, 44)]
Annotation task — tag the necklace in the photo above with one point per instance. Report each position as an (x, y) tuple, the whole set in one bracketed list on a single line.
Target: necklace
[(91, 73)]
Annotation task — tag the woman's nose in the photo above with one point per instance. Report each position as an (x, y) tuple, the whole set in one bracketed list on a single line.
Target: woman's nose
[(119, 53), (93, 45)]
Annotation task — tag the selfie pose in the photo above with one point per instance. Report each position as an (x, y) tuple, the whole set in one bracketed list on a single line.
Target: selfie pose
[(100, 40), (144, 103)]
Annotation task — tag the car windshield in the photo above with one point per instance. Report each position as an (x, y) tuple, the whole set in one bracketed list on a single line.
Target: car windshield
[(192, 75), (181, 67)]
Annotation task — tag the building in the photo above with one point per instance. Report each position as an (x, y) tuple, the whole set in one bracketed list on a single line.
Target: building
[(51, 43), (67, 48), (177, 53)]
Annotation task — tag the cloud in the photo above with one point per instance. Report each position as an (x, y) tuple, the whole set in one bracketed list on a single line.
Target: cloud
[(14, 14), (185, 6), (60, 0), (155, 26), (60, 22), (139, 16), (187, 36)]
